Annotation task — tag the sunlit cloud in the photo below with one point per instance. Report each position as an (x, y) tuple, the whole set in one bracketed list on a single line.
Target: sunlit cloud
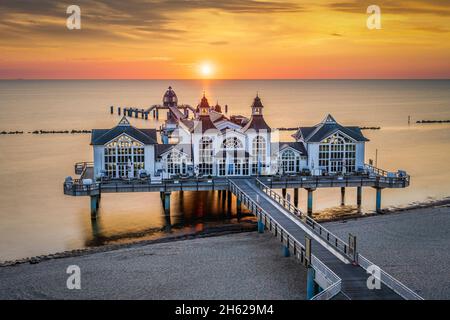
[(246, 38)]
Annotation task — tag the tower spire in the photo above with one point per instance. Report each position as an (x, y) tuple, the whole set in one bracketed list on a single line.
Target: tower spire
[(257, 106)]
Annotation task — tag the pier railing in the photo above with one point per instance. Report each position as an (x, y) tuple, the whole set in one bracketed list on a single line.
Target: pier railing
[(80, 167), (331, 239), (388, 280), (389, 176), (294, 246), (398, 287)]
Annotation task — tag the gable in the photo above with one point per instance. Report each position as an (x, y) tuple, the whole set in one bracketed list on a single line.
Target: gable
[(104, 136)]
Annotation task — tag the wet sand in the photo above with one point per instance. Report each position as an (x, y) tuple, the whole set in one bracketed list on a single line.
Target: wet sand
[(237, 266)]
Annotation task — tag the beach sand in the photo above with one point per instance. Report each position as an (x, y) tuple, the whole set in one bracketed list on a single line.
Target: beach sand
[(411, 245), (236, 266)]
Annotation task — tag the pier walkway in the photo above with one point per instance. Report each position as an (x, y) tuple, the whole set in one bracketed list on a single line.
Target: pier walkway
[(339, 269)]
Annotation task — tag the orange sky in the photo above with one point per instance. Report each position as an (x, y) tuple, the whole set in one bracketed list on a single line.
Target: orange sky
[(240, 39)]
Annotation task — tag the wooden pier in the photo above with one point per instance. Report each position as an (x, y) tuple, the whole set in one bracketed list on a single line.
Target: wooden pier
[(152, 112), (335, 268)]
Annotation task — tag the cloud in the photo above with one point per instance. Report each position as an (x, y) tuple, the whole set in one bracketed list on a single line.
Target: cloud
[(219, 43), (123, 19)]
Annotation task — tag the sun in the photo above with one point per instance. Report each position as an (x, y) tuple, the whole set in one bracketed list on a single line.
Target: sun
[(206, 69)]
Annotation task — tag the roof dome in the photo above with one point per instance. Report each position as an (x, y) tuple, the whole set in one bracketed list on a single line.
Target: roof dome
[(218, 108), (204, 103), (170, 98), (257, 102)]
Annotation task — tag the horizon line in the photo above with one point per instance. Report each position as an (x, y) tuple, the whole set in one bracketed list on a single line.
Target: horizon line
[(219, 79)]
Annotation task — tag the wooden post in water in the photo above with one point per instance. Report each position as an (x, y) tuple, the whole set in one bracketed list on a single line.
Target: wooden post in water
[(310, 201), (112, 109), (342, 196), (378, 200), (118, 111), (229, 201), (358, 196), (95, 204), (296, 197), (167, 203), (283, 192)]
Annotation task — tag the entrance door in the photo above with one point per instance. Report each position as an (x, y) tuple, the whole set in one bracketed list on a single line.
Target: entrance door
[(122, 170), (336, 166), (234, 167)]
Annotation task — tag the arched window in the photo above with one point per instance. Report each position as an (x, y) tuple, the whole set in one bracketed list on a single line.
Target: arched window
[(289, 161), (122, 156), (258, 154), (206, 156), (337, 153), (232, 143)]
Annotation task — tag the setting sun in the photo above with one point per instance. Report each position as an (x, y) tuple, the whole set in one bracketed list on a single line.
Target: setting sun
[(206, 69)]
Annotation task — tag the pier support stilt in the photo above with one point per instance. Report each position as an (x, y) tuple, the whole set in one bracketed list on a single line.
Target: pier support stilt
[(378, 200), (95, 204), (358, 196), (286, 252), (224, 199), (167, 203), (296, 197), (283, 192), (310, 201), (260, 226), (310, 284), (342, 196), (229, 202), (238, 206)]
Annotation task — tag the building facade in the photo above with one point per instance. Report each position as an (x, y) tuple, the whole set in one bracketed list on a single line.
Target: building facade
[(211, 143)]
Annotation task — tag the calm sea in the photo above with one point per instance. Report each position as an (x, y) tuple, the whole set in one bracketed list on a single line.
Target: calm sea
[(36, 218)]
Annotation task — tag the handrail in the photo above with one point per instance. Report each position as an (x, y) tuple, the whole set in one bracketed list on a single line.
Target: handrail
[(363, 262), (397, 286), (384, 173), (314, 226), (334, 286), (80, 167)]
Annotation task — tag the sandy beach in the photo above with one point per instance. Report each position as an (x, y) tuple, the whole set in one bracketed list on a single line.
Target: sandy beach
[(240, 265), (236, 266), (412, 245)]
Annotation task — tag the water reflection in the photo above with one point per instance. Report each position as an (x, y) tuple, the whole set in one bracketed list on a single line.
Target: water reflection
[(191, 212)]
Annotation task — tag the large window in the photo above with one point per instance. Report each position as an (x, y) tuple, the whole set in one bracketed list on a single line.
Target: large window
[(337, 153), (290, 162), (258, 154), (175, 163), (206, 156), (123, 156)]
